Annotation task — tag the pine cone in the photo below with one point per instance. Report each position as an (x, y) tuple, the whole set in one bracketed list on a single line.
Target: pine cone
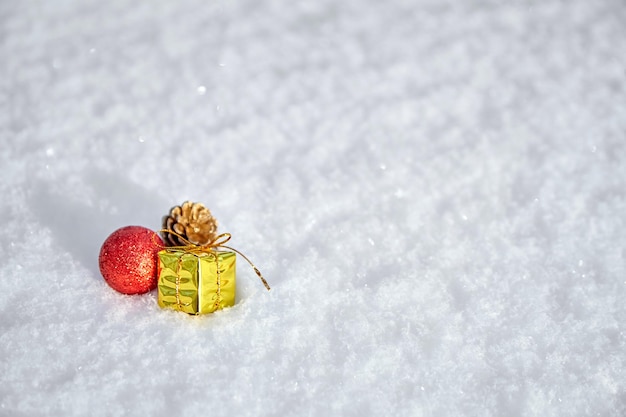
[(192, 221)]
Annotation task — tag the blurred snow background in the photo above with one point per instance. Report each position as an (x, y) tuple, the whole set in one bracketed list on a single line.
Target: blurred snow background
[(436, 191)]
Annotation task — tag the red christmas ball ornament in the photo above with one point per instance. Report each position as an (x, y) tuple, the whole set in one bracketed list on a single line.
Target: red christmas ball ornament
[(128, 259)]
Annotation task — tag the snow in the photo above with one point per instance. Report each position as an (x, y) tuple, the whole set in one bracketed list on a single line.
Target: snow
[(435, 190)]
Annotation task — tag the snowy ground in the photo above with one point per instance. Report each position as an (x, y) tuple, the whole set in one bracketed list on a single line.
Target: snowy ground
[(436, 191)]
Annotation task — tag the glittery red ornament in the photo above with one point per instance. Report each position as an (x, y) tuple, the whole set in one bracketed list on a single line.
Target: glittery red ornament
[(128, 259)]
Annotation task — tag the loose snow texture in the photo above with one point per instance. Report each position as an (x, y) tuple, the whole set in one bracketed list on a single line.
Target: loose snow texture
[(436, 191)]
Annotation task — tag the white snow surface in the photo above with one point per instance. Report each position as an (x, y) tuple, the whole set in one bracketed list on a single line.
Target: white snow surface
[(435, 190)]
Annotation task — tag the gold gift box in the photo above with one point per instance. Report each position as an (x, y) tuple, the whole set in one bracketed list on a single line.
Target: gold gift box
[(196, 282)]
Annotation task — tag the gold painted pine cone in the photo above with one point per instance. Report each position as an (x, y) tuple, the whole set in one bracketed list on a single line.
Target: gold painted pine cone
[(192, 221)]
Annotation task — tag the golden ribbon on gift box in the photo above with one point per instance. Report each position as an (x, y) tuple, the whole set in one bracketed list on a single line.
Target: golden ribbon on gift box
[(217, 243)]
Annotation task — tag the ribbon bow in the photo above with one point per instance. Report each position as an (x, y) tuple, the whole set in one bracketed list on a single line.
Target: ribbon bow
[(216, 243)]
